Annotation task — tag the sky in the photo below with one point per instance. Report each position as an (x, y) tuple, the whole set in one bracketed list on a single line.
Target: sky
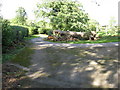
[(102, 13)]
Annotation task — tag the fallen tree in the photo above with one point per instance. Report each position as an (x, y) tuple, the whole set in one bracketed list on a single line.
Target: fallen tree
[(91, 35)]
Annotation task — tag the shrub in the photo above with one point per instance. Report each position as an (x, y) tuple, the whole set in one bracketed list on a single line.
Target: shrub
[(19, 32), (45, 31), (12, 34), (101, 33), (6, 33), (49, 32), (41, 31), (33, 30), (108, 31)]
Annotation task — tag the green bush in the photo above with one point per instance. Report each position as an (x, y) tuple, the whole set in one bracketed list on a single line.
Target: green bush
[(101, 33), (108, 31), (45, 31), (11, 35), (6, 33), (49, 32), (19, 32), (33, 30), (41, 31)]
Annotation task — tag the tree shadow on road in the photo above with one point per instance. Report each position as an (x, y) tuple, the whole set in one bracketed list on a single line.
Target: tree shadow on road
[(75, 67)]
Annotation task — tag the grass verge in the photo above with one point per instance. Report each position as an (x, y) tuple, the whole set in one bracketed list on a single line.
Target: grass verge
[(101, 40), (32, 36), (20, 54), (23, 57)]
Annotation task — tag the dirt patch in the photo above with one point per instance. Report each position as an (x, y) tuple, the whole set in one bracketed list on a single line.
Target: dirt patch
[(63, 65), (11, 75), (57, 66)]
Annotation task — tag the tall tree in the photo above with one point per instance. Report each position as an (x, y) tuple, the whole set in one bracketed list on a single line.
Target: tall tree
[(21, 16), (64, 15)]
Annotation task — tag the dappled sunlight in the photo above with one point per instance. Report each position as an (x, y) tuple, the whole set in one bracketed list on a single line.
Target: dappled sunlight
[(46, 45), (71, 47), (89, 68), (102, 74), (71, 65), (64, 63), (77, 69), (99, 73), (38, 74), (88, 53), (93, 63), (34, 64), (100, 79), (92, 46), (36, 48), (63, 45)]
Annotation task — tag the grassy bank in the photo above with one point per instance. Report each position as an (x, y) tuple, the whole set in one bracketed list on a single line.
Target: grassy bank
[(20, 53), (101, 40)]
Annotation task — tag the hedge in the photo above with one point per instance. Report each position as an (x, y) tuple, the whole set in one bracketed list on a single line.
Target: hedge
[(45, 31), (12, 34), (33, 30), (19, 33)]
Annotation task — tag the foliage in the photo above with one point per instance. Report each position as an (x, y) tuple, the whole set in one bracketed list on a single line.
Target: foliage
[(93, 25), (19, 32), (42, 23), (33, 28), (12, 53), (11, 35), (45, 31), (44, 27), (64, 15), (49, 32), (21, 17), (6, 33), (41, 31), (108, 31)]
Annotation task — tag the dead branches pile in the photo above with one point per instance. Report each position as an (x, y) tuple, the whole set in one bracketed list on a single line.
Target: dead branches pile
[(59, 35)]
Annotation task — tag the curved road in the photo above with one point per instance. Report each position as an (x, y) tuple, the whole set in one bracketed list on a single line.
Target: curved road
[(74, 65)]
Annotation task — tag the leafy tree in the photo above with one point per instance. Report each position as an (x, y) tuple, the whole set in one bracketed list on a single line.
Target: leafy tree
[(64, 15), (21, 16), (93, 25), (112, 27)]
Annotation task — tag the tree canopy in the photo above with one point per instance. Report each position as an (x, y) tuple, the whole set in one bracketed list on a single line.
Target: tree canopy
[(21, 16), (64, 15)]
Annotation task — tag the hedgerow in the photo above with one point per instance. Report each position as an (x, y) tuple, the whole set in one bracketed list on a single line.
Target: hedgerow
[(12, 35)]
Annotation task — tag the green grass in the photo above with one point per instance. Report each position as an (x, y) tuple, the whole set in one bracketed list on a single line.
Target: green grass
[(101, 40), (20, 54), (11, 53), (23, 57), (32, 36)]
